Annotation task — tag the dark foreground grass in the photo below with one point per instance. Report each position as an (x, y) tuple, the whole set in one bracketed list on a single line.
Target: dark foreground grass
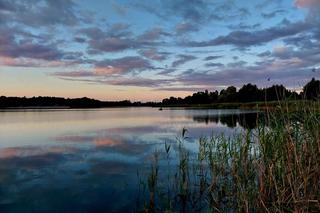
[(274, 168)]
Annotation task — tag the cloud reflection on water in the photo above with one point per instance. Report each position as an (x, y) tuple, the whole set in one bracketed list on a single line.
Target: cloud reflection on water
[(96, 167)]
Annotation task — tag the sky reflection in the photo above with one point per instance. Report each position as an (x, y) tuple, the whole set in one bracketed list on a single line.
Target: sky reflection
[(89, 160)]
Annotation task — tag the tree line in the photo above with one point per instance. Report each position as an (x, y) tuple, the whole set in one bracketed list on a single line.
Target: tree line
[(57, 102), (248, 93)]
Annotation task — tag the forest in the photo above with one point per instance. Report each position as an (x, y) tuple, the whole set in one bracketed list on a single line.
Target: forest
[(247, 93)]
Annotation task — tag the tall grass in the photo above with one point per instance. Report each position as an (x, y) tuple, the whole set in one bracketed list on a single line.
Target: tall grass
[(273, 168)]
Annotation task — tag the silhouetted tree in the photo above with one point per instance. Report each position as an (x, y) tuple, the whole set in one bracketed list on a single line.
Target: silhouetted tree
[(278, 92), (228, 95), (311, 90), (84, 102), (249, 93)]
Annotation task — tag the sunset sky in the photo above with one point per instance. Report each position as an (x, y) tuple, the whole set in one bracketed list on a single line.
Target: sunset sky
[(149, 50)]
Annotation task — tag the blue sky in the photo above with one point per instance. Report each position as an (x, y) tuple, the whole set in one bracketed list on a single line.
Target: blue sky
[(149, 50)]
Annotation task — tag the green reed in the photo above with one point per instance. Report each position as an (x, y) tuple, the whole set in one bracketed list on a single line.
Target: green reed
[(273, 168)]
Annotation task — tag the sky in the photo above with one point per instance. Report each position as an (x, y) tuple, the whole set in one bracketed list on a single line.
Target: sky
[(149, 50)]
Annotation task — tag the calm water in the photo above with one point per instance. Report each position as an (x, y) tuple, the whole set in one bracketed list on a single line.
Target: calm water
[(87, 160)]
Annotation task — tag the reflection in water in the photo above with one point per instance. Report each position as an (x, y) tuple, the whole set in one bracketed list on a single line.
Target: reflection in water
[(81, 161), (245, 120)]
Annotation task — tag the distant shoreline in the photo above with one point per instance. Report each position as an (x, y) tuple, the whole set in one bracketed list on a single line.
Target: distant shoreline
[(270, 105)]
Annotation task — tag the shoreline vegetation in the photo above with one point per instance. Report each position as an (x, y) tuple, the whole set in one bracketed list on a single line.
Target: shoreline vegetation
[(272, 168), (249, 96)]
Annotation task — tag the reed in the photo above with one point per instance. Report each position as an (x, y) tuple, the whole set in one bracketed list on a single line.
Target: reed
[(273, 168)]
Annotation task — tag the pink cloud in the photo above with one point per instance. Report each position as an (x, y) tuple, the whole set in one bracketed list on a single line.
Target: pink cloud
[(106, 142), (307, 3), (108, 70)]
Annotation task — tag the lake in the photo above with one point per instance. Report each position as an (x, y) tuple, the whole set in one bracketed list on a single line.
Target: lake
[(87, 160)]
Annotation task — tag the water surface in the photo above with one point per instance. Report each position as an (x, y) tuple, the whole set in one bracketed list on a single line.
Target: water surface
[(87, 160)]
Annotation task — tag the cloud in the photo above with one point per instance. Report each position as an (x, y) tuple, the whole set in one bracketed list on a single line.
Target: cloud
[(122, 65), (264, 54), (182, 59), (123, 81), (80, 39), (153, 34), (237, 64), (153, 54), (272, 14), (185, 27), (291, 72), (93, 33), (110, 67), (307, 3), (244, 26), (117, 38), (110, 44), (119, 30), (113, 40), (214, 65), (212, 57), (120, 9), (140, 82), (73, 74), (193, 11), (249, 38), (28, 62), (184, 89), (11, 47), (40, 13)]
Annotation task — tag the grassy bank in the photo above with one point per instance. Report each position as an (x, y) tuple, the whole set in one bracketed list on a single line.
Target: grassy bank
[(292, 104), (274, 168)]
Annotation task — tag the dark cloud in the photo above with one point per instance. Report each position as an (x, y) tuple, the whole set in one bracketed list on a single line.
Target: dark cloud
[(167, 71), (272, 14), (28, 48), (80, 40), (122, 65), (118, 38), (153, 54), (93, 33), (244, 26), (190, 10), (212, 57), (237, 64), (107, 41), (264, 54), (288, 72), (182, 59), (39, 13), (249, 38), (214, 65), (186, 27), (119, 30), (111, 44), (194, 11), (153, 34), (30, 37)]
